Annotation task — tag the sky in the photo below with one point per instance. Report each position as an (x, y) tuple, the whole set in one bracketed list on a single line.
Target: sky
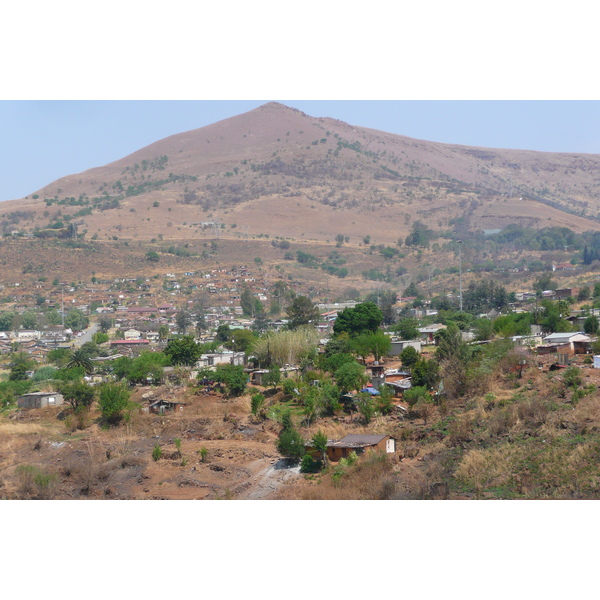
[(42, 140)]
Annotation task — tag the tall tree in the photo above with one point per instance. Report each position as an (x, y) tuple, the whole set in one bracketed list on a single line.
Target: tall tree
[(183, 321), (183, 351), (302, 311), (362, 318), (80, 358)]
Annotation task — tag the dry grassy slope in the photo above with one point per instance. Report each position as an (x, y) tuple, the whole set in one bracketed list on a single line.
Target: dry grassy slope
[(276, 170)]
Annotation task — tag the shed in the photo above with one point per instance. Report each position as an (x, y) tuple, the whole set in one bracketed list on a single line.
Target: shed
[(40, 400)]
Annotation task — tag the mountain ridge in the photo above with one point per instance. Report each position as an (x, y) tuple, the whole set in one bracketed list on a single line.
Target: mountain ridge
[(275, 153)]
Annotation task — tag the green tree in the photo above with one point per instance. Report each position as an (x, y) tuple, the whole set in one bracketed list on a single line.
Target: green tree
[(76, 320), (113, 399), (241, 340), (233, 377), (183, 351), (350, 376), (375, 343), (319, 442), (152, 256), (407, 329), (257, 405), (183, 321), (247, 301), (362, 318), (80, 358), (100, 338), (415, 394), (366, 407), (425, 372), (77, 393), (290, 443), (302, 311), (261, 323), (273, 377), (591, 325), (223, 333), (409, 356), (18, 372)]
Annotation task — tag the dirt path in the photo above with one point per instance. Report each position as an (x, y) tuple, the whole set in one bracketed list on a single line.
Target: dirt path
[(267, 481)]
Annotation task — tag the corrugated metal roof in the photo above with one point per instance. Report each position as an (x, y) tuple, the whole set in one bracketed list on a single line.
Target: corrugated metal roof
[(360, 439)]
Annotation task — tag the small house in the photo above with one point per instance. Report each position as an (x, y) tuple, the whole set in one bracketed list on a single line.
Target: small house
[(353, 442), (428, 333), (40, 400), (568, 342), (162, 406)]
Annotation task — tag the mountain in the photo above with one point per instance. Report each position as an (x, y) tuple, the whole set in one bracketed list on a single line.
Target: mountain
[(279, 172)]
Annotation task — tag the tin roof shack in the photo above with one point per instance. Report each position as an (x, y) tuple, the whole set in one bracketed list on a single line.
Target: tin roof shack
[(566, 293), (162, 406), (565, 343), (428, 333), (399, 345), (40, 400), (353, 442)]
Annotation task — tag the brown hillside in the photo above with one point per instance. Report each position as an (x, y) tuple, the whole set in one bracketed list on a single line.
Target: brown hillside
[(313, 178)]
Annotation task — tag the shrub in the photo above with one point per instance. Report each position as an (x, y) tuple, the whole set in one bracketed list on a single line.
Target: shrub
[(157, 452), (257, 404), (310, 465), (289, 385), (414, 394), (113, 399)]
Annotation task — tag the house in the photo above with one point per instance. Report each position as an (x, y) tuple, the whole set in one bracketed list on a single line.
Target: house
[(40, 400), (25, 335), (564, 267), (129, 343), (162, 406), (132, 334), (353, 442), (227, 357), (428, 333), (399, 345), (566, 293), (565, 343)]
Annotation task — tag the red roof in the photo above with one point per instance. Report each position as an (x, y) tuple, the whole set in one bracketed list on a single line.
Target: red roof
[(128, 342)]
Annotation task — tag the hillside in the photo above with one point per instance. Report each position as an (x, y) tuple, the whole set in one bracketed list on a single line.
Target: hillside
[(310, 175)]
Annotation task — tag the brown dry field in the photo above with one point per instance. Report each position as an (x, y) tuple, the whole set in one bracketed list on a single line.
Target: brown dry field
[(93, 463)]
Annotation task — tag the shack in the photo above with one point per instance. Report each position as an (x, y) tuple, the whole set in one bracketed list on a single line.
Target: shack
[(40, 400), (353, 442), (162, 406)]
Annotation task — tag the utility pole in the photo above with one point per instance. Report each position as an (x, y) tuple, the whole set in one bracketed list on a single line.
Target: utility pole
[(62, 297), (460, 274)]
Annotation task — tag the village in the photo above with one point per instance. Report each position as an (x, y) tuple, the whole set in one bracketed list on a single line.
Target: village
[(340, 373)]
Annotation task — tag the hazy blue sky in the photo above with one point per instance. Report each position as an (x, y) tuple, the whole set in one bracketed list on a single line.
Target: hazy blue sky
[(44, 140)]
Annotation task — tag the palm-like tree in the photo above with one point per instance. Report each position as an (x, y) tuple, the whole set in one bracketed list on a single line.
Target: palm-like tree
[(79, 358)]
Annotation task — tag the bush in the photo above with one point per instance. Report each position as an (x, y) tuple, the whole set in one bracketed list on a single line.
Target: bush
[(310, 465), (113, 400), (414, 394), (156, 452), (289, 385), (257, 404)]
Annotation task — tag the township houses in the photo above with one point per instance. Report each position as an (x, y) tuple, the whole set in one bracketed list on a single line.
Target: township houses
[(359, 443)]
